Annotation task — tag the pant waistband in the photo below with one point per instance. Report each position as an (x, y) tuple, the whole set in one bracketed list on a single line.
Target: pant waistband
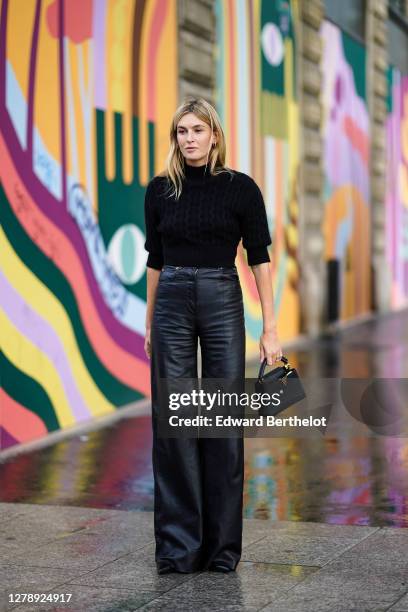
[(169, 267), (192, 272)]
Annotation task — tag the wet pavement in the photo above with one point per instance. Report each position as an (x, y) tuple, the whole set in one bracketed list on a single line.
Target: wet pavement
[(103, 561), (341, 478)]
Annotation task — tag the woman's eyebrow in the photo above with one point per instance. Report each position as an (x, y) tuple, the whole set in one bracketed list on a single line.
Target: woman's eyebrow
[(194, 126)]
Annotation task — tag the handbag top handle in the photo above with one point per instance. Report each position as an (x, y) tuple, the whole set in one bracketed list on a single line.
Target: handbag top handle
[(264, 363)]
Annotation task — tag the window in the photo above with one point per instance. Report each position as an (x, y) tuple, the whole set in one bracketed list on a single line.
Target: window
[(398, 42), (398, 5), (349, 15)]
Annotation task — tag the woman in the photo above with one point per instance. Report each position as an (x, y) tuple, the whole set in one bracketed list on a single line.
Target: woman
[(196, 212)]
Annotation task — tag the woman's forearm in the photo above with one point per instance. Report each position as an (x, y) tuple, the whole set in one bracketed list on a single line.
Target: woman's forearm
[(152, 276), (263, 279)]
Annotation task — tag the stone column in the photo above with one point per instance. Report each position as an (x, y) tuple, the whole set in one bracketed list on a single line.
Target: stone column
[(311, 252), (196, 48), (377, 60)]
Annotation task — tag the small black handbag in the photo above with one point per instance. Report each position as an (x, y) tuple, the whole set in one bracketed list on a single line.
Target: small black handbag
[(284, 381)]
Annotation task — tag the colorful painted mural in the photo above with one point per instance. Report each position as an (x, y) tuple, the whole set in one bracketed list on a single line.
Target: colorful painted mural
[(87, 91), (346, 141), (397, 186), (256, 100)]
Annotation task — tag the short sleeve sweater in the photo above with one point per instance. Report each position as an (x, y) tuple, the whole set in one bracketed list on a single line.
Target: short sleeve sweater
[(204, 227)]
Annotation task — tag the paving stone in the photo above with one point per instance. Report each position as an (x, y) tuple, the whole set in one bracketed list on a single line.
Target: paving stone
[(255, 529), (284, 547), (93, 599), (11, 511), (85, 550), (401, 605), (26, 533), (23, 579), (49, 525), (372, 575), (383, 548), (399, 532), (323, 603), (250, 588), (352, 584), (133, 571)]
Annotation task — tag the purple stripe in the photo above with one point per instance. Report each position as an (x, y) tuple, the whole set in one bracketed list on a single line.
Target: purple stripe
[(6, 439), (31, 81), (62, 101), (39, 331), (130, 341), (99, 24)]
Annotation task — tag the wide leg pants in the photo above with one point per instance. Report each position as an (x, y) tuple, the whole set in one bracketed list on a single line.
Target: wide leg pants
[(198, 482)]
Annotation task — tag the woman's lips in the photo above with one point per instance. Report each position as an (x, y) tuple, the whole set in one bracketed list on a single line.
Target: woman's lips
[(191, 148)]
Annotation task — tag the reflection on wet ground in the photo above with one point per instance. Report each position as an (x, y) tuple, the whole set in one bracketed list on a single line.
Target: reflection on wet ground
[(338, 478)]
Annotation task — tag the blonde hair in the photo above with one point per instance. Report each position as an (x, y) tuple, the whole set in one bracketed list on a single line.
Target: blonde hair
[(216, 155)]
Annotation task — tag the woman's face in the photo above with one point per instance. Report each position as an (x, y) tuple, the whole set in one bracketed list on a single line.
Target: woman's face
[(194, 139)]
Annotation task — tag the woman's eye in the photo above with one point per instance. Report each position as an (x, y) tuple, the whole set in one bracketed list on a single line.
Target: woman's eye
[(183, 132)]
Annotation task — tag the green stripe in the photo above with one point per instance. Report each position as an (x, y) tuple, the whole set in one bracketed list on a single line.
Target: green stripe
[(27, 392), (355, 54), (116, 392)]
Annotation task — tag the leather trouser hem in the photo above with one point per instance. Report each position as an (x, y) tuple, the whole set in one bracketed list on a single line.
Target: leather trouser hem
[(188, 564)]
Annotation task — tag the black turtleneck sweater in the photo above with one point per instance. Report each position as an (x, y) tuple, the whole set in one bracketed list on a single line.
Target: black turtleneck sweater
[(204, 227)]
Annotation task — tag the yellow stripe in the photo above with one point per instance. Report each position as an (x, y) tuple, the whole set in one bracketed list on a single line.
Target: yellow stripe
[(43, 301), (29, 359), (144, 78)]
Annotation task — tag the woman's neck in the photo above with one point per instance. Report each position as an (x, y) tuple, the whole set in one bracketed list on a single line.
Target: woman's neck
[(195, 172)]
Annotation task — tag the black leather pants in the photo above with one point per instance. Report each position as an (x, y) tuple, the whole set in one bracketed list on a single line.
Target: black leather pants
[(198, 482)]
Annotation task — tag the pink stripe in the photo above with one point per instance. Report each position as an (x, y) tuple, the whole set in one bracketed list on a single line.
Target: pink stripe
[(159, 17), (20, 422), (232, 83)]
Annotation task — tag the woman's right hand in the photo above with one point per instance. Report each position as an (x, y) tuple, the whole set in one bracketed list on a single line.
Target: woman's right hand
[(147, 344)]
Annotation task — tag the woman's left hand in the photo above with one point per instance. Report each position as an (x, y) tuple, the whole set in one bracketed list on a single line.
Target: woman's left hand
[(269, 347)]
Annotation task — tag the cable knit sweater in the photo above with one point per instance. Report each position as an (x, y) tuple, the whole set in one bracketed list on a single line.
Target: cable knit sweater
[(204, 227)]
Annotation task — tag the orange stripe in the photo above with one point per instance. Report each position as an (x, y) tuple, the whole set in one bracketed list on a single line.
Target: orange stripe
[(357, 137), (20, 422), (278, 237)]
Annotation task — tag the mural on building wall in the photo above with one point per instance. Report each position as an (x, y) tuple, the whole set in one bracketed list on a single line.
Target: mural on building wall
[(87, 94), (346, 224), (256, 100), (397, 186)]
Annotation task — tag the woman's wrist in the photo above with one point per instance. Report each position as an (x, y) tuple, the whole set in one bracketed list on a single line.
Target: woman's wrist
[(270, 327)]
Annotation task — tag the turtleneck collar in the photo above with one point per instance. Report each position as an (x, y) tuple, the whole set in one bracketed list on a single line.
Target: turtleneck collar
[(195, 173)]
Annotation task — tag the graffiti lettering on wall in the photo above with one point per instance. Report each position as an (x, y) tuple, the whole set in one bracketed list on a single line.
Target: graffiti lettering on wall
[(111, 287)]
